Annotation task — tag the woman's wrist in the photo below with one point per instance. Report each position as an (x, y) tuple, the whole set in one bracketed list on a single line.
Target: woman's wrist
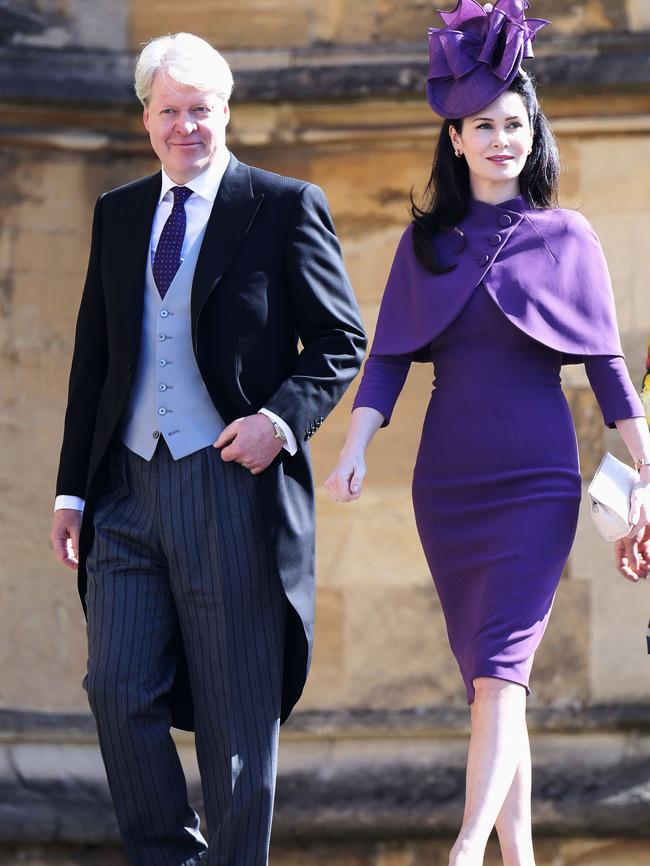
[(353, 450)]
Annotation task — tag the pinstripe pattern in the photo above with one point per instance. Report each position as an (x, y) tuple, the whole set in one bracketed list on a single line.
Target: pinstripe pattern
[(180, 550)]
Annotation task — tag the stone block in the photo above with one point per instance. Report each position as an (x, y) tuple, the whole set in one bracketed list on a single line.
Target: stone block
[(330, 651), (368, 258), (605, 175), (391, 456), (343, 21), (407, 21), (371, 194), (638, 13), (619, 658), (583, 16), (602, 852), (562, 663), (623, 237), (100, 24), (590, 429), (617, 618), (248, 24), (60, 251), (398, 650), (371, 543), (571, 165)]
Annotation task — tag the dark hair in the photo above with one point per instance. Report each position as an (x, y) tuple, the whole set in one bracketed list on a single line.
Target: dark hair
[(447, 194)]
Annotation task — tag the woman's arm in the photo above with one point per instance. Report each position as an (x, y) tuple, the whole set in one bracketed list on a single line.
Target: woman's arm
[(622, 408), (634, 432), (344, 484), (382, 382), (632, 554)]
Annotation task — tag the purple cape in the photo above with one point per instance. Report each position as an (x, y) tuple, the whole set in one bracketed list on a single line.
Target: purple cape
[(544, 268)]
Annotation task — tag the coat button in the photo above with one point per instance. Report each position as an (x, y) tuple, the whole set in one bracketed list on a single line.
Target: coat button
[(164, 314), (162, 387), (162, 337), (505, 220), (156, 434), (162, 411), (495, 240), (484, 260), (162, 362)]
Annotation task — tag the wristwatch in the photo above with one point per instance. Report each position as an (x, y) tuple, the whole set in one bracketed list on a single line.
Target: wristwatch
[(279, 432), (642, 461)]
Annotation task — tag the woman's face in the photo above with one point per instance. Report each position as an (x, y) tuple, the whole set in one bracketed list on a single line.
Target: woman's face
[(496, 143)]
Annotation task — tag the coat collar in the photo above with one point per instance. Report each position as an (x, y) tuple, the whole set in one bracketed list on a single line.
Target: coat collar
[(232, 214)]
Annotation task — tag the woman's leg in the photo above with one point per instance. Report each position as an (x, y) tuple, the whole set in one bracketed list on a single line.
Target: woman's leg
[(496, 743), (514, 821)]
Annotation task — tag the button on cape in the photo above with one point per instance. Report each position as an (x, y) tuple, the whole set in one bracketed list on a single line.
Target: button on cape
[(547, 273)]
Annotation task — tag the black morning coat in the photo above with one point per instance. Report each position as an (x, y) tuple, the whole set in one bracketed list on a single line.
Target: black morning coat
[(269, 275)]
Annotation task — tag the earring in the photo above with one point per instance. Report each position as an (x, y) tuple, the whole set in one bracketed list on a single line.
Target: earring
[(458, 153)]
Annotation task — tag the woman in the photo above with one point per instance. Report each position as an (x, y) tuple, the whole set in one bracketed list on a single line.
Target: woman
[(498, 287)]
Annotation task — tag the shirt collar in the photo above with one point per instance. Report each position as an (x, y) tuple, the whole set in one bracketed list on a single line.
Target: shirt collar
[(205, 184)]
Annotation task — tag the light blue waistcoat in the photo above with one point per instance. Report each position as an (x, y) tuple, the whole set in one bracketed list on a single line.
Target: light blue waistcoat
[(168, 397)]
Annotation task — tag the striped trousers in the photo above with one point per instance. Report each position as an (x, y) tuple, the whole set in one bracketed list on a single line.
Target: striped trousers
[(180, 552)]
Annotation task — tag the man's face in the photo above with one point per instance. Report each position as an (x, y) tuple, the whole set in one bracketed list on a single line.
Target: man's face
[(187, 127)]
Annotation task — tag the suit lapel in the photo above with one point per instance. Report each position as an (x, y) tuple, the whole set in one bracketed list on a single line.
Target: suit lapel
[(232, 214), (133, 236)]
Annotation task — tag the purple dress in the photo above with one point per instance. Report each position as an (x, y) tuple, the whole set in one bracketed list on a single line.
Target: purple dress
[(496, 485)]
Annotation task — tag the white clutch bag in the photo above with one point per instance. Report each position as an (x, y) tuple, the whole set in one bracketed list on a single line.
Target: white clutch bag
[(609, 494)]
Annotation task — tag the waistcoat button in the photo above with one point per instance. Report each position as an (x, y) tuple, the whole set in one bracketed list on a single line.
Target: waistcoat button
[(495, 240), (505, 220), (484, 260)]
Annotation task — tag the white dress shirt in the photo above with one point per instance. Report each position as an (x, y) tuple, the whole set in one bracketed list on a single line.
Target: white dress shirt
[(198, 207)]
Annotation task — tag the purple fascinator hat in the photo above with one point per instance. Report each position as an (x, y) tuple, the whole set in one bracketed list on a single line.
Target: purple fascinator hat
[(477, 54)]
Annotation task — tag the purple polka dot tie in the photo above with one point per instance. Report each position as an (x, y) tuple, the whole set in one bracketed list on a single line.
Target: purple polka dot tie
[(167, 259)]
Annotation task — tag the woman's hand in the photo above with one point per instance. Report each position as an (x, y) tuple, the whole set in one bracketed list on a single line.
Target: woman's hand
[(639, 508), (346, 481), (632, 555)]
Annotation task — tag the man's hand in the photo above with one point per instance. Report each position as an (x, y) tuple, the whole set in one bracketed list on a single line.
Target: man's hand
[(250, 441), (632, 555), (66, 525)]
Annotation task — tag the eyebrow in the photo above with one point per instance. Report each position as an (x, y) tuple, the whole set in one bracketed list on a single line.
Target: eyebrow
[(514, 117)]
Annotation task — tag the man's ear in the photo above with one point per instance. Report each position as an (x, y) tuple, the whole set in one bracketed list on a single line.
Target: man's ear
[(145, 117)]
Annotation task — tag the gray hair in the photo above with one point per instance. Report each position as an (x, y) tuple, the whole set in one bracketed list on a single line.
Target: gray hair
[(188, 59)]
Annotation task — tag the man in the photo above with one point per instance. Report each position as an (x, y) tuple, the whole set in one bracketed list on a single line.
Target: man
[(189, 408)]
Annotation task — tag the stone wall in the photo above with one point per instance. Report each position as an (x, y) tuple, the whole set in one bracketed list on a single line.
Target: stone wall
[(384, 692), (265, 24), (373, 578)]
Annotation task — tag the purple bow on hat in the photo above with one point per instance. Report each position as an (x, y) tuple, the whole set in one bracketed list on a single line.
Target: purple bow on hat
[(475, 57)]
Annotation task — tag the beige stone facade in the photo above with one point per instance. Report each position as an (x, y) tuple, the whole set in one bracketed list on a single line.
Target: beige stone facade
[(380, 646), (376, 604)]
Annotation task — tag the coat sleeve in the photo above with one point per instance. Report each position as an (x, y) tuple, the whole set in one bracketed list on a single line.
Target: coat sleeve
[(87, 375), (382, 383), (326, 317), (611, 383)]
